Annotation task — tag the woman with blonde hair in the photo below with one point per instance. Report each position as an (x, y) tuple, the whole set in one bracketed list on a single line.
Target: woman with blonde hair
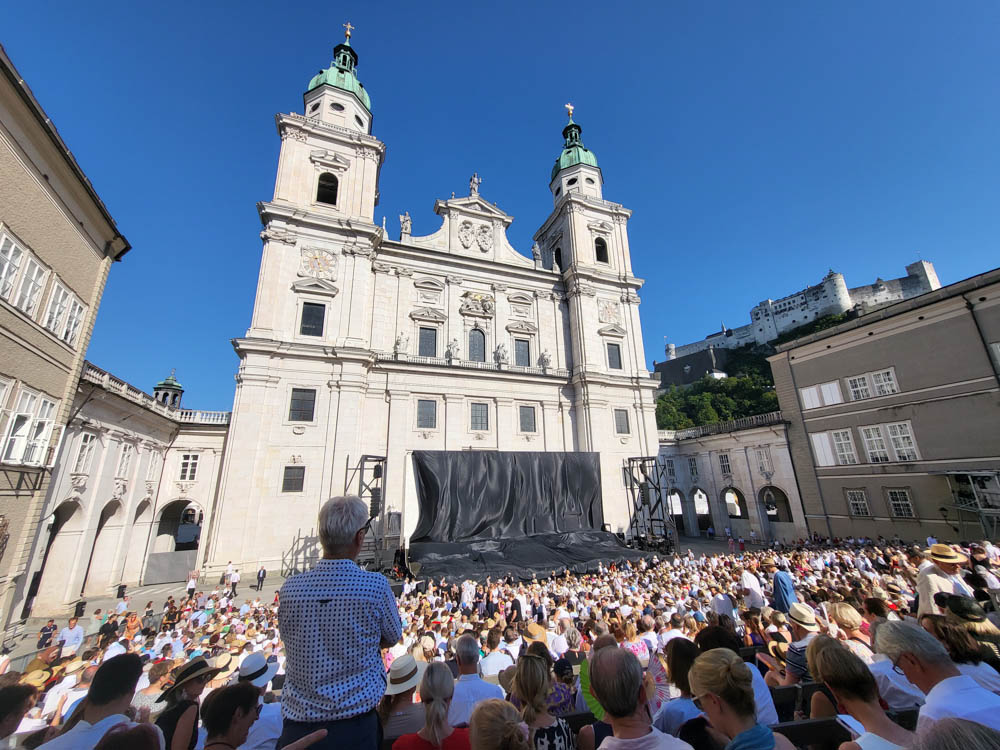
[(532, 682), (723, 689), (436, 690), (635, 644), (849, 620), (496, 725), (856, 693)]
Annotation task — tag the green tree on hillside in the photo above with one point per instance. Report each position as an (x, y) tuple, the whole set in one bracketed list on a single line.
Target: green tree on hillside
[(709, 401)]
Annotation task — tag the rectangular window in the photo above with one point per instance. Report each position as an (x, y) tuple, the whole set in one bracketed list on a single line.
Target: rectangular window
[(427, 344), (293, 479), (189, 467), (903, 445), (857, 503), (10, 261), (31, 287), (831, 393), (522, 352), (124, 459), (859, 388), (426, 414), (763, 457), (671, 471), (900, 505), (875, 445), (41, 431), (810, 397), (313, 317), (614, 357), (480, 416), (302, 406), (527, 418), (20, 426), (58, 303), (724, 465), (85, 456), (621, 422), (843, 444), (152, 466), (884, 382), (822, 449), (73, 321), (693, 468)]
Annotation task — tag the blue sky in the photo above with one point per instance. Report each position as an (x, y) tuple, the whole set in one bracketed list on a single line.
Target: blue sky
[(758, 144)]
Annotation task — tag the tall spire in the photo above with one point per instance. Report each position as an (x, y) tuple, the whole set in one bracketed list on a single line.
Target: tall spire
[(574, 152)]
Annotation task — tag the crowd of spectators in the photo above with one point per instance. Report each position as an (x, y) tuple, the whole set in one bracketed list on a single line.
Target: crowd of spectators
[(864, 633)]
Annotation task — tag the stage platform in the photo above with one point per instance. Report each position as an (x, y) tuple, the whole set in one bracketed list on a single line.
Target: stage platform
[(522, 558)]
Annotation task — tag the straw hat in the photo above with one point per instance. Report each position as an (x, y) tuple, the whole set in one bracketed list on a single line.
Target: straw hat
[(944, 553), (506, 679), (36, 678), (535, 632), (778, 650), (803, 616), (74, 666), (405, 673), (197, 667)]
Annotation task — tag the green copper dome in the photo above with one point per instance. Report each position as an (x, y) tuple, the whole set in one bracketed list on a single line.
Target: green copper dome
[(342, 74), (574, 152), (170, 382)]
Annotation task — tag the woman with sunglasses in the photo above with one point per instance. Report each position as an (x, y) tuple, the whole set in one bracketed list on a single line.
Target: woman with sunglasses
[(723, 688)]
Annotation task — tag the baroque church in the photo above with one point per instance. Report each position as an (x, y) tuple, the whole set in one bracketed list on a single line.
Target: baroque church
[(367, 345), (362, 349)]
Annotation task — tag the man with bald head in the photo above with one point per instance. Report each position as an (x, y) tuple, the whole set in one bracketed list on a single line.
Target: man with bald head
[(616, 681)]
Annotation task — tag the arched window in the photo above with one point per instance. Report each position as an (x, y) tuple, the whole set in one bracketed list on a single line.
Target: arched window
[(601, 250), (326, 192), (477, 345), (557, 258)]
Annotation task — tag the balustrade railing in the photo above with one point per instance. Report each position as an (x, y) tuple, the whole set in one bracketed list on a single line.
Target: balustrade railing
[(719, 428), (468, 364)]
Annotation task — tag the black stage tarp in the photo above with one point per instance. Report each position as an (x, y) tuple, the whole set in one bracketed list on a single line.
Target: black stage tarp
[(494, 513)]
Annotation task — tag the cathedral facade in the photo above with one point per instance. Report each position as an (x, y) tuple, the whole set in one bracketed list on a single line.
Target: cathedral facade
[(363, 344)]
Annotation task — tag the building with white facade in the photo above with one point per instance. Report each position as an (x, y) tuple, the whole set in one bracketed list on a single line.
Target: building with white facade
[(736, 475), (831, 296), (131, 489), (361, 344)]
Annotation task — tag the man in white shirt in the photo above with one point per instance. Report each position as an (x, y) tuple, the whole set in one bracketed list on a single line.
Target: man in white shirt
[(926, 663), (107, 700), (673, 630), (71, 637), (941, 575), (751, 589), (470, 688), (264, 732), (495, 660)]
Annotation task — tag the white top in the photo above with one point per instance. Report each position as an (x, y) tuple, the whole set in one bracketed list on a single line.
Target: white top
[(898, 692), (655, 740), (266, 730), (332, 620), (982, 673), (767, 714), (470, 689), (494, 663), (88, 735), (71, 637), (963, 698)]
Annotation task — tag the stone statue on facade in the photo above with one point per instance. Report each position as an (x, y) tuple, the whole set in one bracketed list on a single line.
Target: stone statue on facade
[(401, 344), (500, 355), (474, 182), (536, 252), (545, 360), (405, 223), (452, 351)]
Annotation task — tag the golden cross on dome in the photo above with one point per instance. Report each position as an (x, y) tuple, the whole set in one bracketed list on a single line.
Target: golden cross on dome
[(348, 29), (569, 108)]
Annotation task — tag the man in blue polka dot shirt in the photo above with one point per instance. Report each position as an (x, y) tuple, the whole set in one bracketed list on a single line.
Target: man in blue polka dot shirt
[(333, 620)]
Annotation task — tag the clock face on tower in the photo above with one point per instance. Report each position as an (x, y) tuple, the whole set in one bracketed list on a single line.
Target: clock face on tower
[(318, 263)]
